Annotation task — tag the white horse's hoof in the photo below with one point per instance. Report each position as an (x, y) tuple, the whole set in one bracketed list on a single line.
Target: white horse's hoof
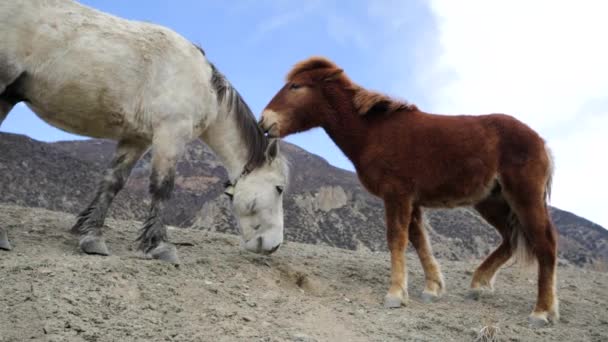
[(4, 244), (165, 251), (91, 244)]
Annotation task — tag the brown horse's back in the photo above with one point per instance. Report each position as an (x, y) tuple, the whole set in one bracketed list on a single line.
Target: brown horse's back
[(445, 160)]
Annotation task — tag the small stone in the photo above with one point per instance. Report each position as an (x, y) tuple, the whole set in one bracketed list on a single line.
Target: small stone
[(299, 337), (247, 319)]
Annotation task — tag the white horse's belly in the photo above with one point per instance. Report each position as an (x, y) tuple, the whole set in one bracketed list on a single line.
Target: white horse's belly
[(82, 122)]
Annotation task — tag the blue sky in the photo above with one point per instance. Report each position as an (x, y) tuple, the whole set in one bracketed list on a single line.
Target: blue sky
[(472, 56)]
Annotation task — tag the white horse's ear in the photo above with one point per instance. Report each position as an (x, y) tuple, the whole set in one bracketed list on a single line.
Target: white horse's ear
[(229, 191), (272, 151)]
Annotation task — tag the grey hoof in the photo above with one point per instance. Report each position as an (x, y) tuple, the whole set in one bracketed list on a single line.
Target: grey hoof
[(538, 321), (393, 302), (428, 297), (474, 294), (4, 244), (165, 252), (93, 245)]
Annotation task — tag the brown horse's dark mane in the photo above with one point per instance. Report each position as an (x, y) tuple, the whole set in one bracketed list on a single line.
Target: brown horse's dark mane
[(369, 102), (366, 102)]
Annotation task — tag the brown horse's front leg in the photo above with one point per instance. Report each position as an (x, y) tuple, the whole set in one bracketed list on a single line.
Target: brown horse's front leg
[(398, 213)]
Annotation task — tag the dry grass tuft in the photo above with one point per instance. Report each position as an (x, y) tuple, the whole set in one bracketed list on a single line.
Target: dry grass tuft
[(489, 333)]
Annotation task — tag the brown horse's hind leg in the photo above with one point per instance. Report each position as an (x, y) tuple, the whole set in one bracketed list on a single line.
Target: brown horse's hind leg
[(434, 284), (397, 221), (540, 240), (496, 212), (90, 221), (542, 237)]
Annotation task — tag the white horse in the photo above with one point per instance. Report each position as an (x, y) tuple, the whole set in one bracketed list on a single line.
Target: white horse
[(101, 76)]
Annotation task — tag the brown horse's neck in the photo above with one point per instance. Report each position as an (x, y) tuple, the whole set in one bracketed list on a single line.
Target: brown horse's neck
[(345, 127)]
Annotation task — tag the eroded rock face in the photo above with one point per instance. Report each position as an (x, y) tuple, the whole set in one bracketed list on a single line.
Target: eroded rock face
[(331, 197), (323, 204)]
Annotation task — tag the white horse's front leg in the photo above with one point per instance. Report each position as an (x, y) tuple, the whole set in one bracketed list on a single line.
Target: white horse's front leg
[(168, 146)]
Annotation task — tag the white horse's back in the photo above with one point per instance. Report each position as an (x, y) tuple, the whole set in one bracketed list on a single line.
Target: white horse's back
[(98, 75)]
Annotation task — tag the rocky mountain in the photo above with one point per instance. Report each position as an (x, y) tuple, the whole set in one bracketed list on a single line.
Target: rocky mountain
[(323, 205)]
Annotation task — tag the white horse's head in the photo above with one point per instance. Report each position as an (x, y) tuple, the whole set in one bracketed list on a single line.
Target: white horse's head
[(257, 198)]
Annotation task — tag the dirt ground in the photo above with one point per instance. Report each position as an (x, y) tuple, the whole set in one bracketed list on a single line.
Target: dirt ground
[(49, 291)]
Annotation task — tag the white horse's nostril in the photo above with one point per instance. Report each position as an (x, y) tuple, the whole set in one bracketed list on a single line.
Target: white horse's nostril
[(260, 244), (274, 249)]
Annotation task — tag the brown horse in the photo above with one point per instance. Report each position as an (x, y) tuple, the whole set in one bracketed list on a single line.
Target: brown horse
[(412, 159)]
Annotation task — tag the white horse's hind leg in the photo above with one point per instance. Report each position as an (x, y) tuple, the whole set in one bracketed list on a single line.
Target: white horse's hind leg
[(167, 147), (4, 243), (5, 107), (91, 220)]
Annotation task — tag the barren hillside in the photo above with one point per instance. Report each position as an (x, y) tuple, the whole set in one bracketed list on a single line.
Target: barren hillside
[(51, 292)]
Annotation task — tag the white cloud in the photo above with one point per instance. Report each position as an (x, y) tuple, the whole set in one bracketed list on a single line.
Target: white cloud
[(544, 62)]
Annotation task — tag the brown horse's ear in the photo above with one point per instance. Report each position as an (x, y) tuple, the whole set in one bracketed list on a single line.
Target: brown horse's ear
[(333, 75), (272, 151)]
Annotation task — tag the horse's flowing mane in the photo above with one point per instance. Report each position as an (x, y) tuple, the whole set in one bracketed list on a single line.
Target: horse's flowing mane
[(252, 134), (369, 102), (366, 102)]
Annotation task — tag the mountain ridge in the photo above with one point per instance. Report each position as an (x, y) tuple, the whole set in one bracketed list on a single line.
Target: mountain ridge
[(323, 204)]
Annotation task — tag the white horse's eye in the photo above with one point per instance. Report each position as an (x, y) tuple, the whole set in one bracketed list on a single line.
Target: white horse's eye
[(280, 189)]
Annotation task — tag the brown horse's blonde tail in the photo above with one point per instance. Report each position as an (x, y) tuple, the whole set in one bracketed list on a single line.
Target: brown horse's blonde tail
[(550, 171), (522, 249)]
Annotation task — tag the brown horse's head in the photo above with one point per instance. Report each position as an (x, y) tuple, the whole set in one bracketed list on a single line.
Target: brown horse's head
[(302, 104)]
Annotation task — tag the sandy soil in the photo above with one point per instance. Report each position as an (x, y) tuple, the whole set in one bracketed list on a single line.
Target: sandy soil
[(49, 291)]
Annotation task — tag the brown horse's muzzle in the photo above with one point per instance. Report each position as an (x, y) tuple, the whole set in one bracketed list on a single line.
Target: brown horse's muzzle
[(269, 123)]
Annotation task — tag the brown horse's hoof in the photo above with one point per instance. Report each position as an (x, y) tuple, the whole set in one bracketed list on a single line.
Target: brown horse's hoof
[(474, 294), (429, 297), (165, 252), (543, 319), (91, 244), (538, 320), (392, 301), (478, 292)]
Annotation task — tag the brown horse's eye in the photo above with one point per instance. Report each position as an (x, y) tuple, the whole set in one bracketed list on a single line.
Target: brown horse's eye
[(294, 86)]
